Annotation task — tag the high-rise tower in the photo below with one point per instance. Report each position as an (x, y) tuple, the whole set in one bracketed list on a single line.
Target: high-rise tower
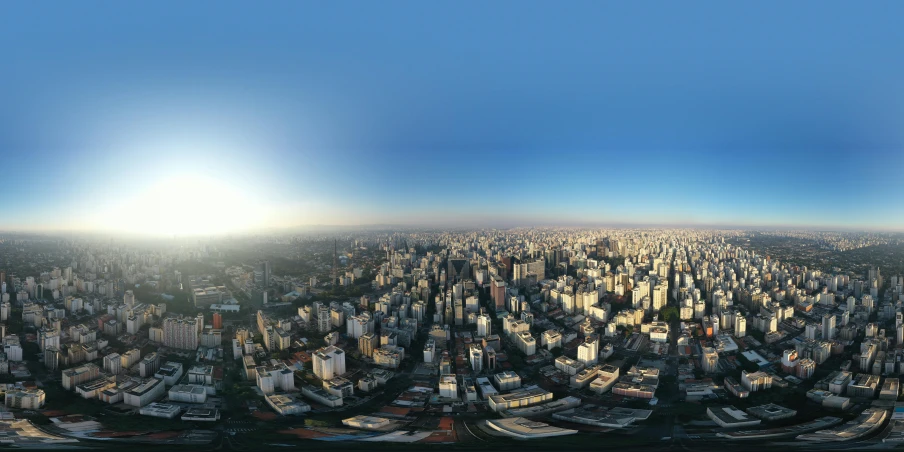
[(335, 261)]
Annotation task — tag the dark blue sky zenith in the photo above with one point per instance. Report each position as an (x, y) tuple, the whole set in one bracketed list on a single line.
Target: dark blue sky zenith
[(455, 113)]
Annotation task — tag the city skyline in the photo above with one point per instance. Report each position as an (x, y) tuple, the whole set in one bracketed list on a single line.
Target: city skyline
[(583, 225), (169, 118)]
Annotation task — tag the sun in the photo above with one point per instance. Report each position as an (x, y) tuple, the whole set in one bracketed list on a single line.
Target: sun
[(188, 204)]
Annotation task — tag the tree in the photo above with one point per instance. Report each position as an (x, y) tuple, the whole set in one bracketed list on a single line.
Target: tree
[(668, 314)]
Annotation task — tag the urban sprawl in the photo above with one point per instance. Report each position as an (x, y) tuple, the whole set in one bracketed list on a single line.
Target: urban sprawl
[(640, 336)]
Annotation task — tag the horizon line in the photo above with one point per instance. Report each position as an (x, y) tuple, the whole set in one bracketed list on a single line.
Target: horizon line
[(427, 226)]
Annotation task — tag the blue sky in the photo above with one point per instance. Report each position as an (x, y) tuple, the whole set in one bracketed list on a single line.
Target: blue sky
[(457, 113)]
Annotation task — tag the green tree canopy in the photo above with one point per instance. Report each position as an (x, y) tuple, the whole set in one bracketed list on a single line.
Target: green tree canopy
[(668, 314)]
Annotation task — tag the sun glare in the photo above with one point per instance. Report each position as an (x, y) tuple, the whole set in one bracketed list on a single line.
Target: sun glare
[(187, 205)]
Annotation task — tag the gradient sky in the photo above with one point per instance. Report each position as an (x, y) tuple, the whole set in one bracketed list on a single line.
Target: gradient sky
[(454, 113)]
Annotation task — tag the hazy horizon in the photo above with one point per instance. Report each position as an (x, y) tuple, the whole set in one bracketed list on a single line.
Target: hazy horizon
[(319, 228), (178, 119)]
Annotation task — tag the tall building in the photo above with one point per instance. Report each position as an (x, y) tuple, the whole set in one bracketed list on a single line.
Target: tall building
[(740, 325), (129, 299), (180, 333), (660, 296), (497, 292), (324, 320), (588, 352), (265, 269), (52, 358), (828, 327), (113, 363), (710, 360), (523, 271), (149, 365), (476, 356), (366, 344), (329, 362), (484, 325), (334, 271), (458, 269)]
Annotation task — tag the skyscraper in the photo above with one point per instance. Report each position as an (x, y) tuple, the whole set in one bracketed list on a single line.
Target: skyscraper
[(497, 292), (265, 269), (828, 326), (335, 269)]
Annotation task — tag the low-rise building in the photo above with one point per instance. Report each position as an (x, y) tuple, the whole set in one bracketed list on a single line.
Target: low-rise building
[(368, 422), (163, 410), (90, 389), (639, 382), (486, 388), (188, 394), (568, 365), (319, 395), (584, 377), (201, 375), (731, 417), (521, 428), (836, 382), (201, 414), (863, 385), (606, 378), (517, 399), (27, 399), (890, 389), (170, 373), (144, 393), (286, 405), (79, 375), (771, 412), (339, 386), (507, 380)]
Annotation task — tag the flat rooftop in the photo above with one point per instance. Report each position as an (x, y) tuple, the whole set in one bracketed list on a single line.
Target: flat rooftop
[(522, 428), (731, 415), (771, 411)]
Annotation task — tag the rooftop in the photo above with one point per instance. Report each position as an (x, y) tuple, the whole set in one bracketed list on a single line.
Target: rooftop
[(522, 428), (730, 415)]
